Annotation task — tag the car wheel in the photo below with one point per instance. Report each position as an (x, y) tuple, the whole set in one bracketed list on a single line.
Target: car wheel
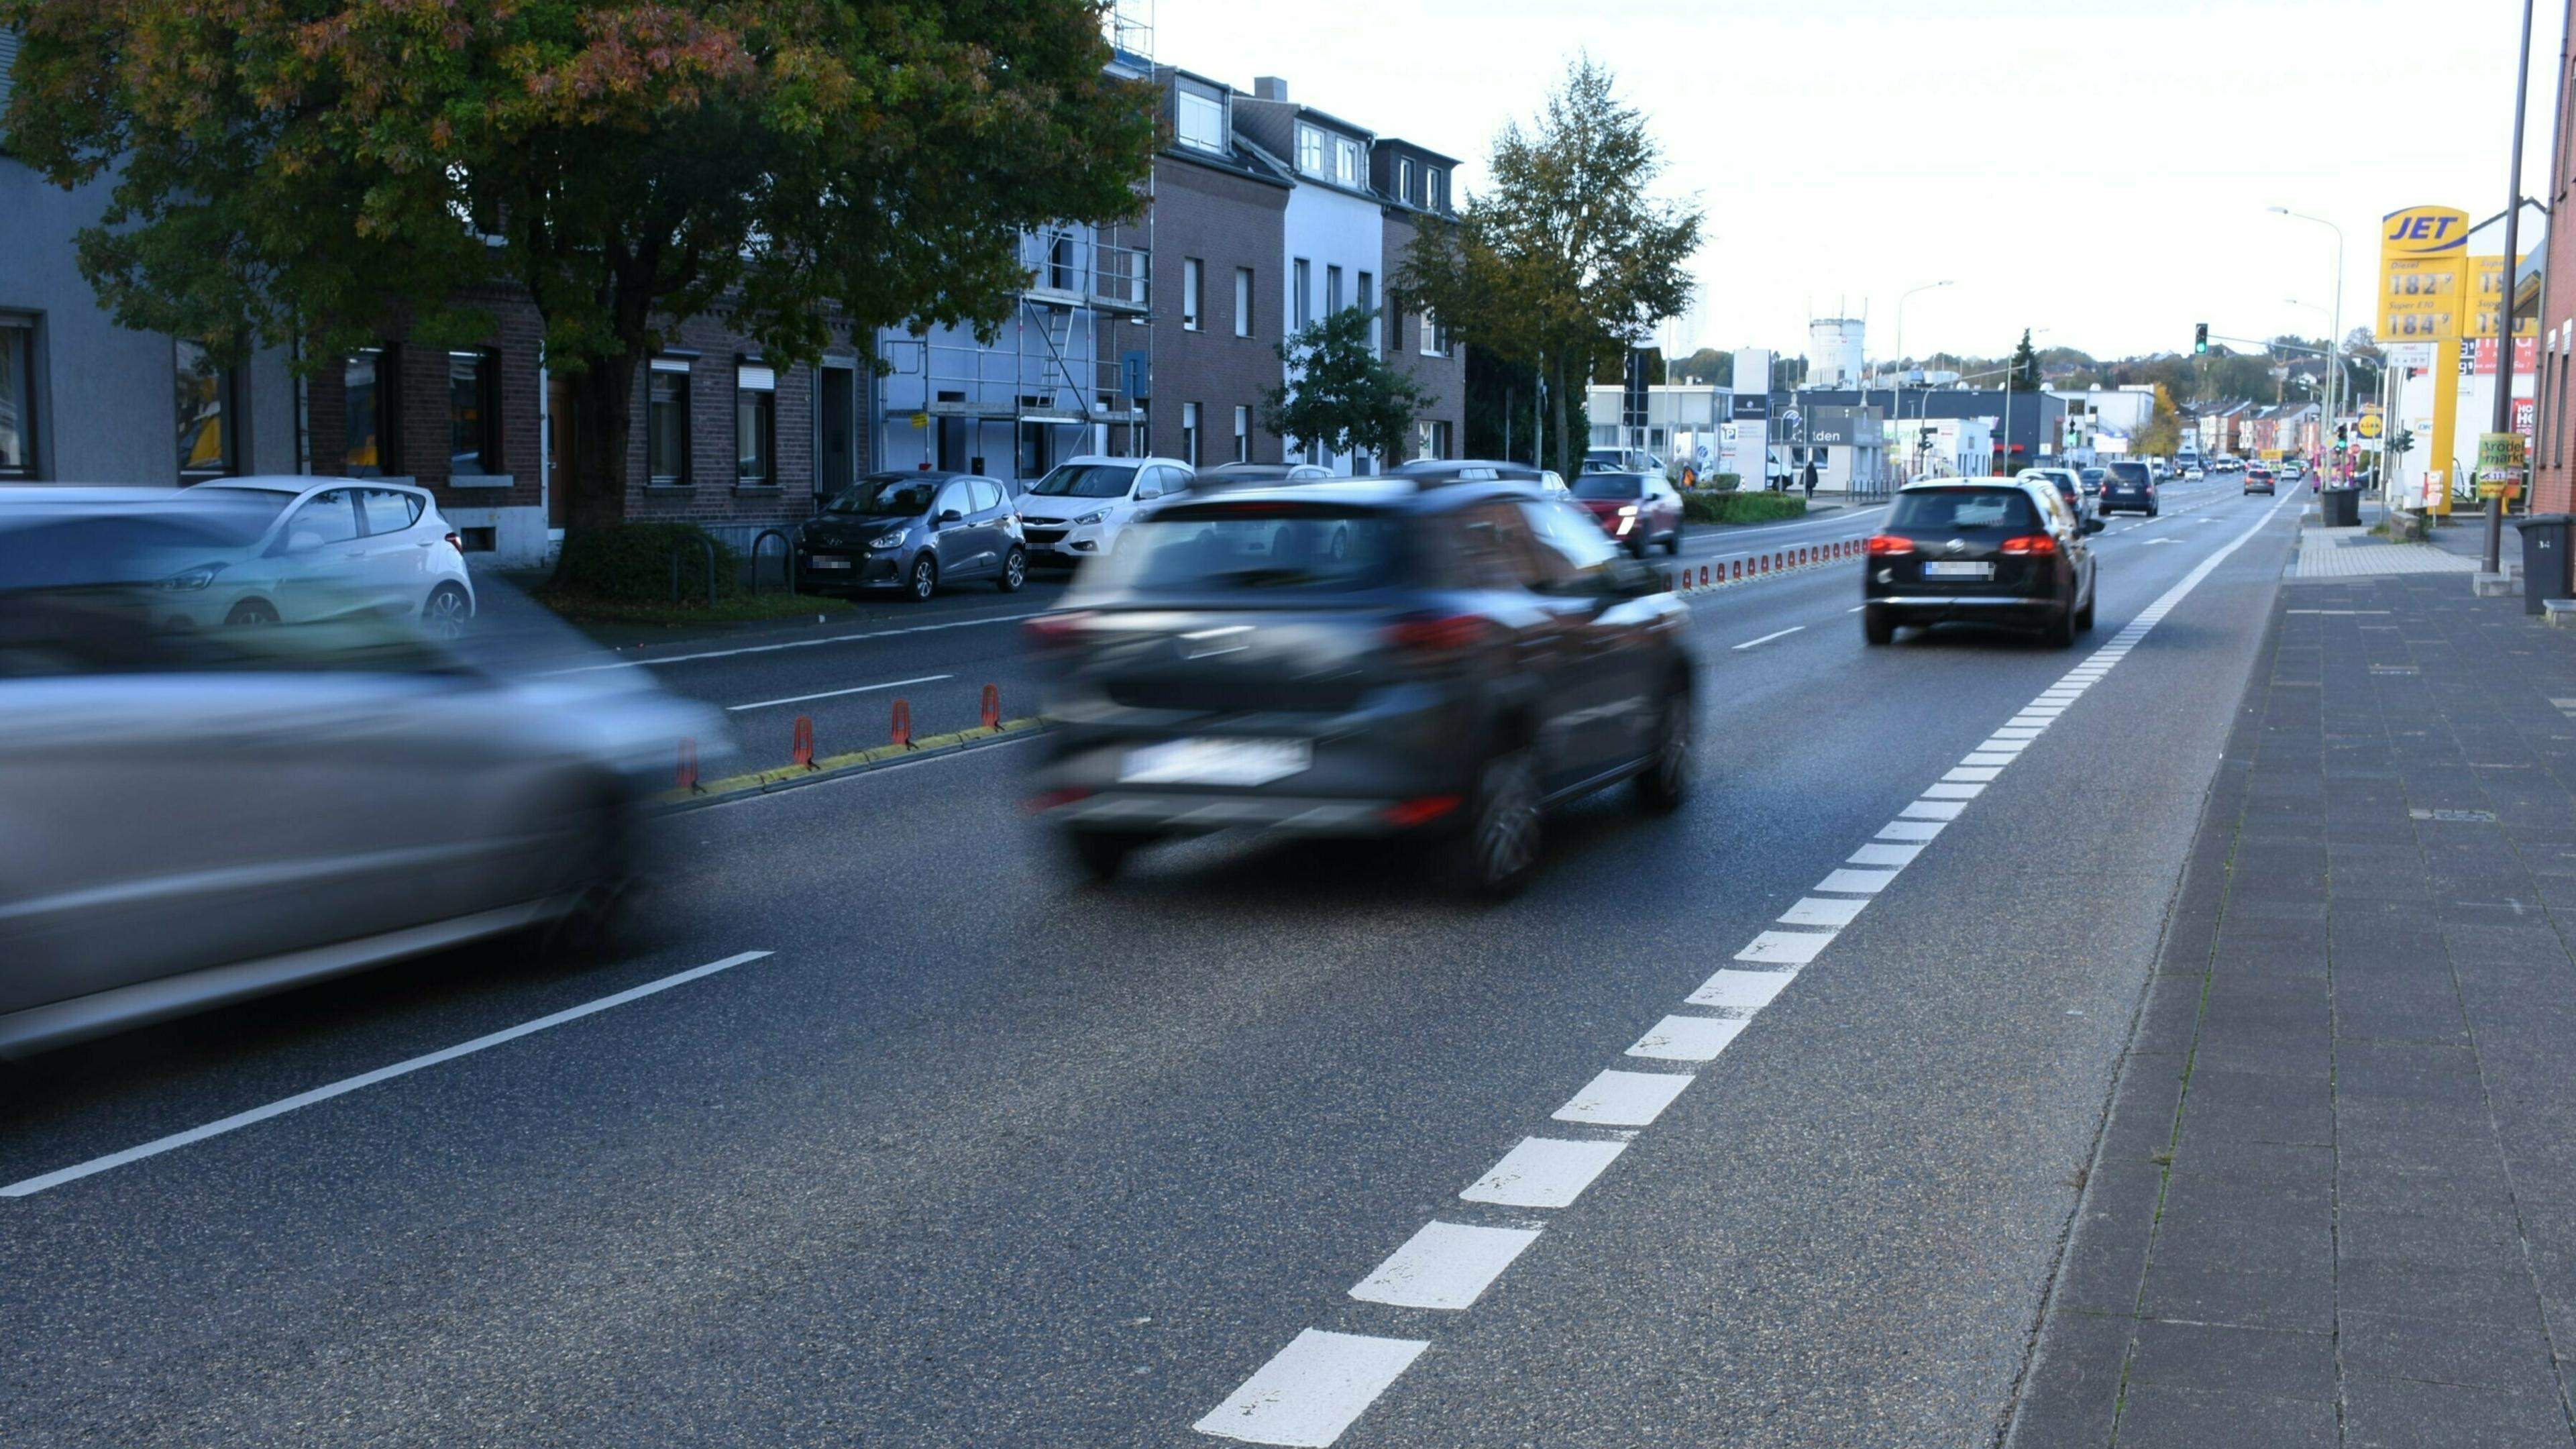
[(446, 613), (1499, 850), (1673, 545), (2061, 630), (1666, 781), (924, 580), (252, 611), (1877, 627), (1100, 853), (2151, 510), (2084, 616), (1015, 570)]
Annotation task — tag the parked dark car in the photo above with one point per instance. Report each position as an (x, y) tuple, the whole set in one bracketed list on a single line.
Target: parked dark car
[(1362, 659), (2128, 486), (2258, 479), (914, 532), (1637, 510), (1985, 550)]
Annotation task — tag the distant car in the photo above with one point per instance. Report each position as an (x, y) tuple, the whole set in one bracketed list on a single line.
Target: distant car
[(323, 546), (1477, 470), (915, 532), (1637, 510), (2070, 486), (1076, 511), (199, 816), (2258, 479), (2128, 486), (1254, 475), (2291, 470), (2229, 465), (2192, 473), (2092, 483), (1621, 460), (1984, 550), (1236, 668)]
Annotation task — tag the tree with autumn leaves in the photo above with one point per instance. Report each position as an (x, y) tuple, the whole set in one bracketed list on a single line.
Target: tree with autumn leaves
[(324, 171)]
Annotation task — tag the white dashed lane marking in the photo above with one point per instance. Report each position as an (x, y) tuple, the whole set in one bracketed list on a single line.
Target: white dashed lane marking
[(1446, 1265), (1740, 992), (1786, 948), (1623, 1099), (1767, 638), (1311, 1390), (1543, 1172), (1687, 1038)]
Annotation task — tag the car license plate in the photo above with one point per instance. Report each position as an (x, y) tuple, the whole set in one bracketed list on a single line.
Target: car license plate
[(1215, 762), (827, 563), (1958, 571)]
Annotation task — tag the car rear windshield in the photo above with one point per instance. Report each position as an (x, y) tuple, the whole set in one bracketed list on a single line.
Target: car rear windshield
[(1087, 480), (2131, 474), (1254, 547), (888, 496), (1609, 485), (1957, 510)]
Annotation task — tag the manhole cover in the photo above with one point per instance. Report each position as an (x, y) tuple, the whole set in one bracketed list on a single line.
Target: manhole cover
[(2461, 817)]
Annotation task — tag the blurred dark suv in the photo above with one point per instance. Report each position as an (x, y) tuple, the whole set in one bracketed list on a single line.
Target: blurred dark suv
[(1362, 659)]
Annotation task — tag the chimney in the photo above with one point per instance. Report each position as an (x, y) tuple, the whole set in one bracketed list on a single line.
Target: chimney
[(1269, 88)]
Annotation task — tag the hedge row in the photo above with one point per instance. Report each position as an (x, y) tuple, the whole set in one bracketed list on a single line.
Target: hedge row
[(1707, 507), (631, 563)]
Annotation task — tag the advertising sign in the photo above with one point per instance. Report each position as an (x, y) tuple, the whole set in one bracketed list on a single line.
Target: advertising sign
[(2500, 457), (2422, 281)]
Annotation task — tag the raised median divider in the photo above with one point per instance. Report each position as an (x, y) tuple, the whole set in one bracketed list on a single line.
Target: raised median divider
[(1726, 573)]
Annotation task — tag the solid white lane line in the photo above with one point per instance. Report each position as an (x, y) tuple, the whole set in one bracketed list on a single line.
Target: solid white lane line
[(1446, 1265), (1910, 830), (1312, 1390), (1767, 638), (1876, 853), (1786, 948), (1933, 810), (1623, 1099), (1741, 992), (794, 644), (300, 1100), (1856, 882), (1687, 1038), (1543, 1172), (1819, 911), (837, 693)]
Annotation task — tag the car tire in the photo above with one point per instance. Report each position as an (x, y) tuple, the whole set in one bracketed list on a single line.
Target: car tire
[(2060, 632), (2151, 511), (2084, 616), (1102, 853), (1015, 571), (252, 611), (1498, 851), (1665, 782), (923, 581), (1877, 627), (1673, 545), (446, 612)]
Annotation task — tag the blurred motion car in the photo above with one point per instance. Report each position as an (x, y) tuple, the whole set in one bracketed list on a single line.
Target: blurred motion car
[(1620, 460), (2003, 551), (1076, 511), (1636, 510), (1478, 470), (1251, 475), (1464, 657), (915, 532), (195, 816)]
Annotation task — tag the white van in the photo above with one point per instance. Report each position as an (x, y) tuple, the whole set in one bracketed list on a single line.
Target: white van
[(1076, 510)]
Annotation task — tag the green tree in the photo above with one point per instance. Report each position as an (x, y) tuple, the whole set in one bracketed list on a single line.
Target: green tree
[(1566, 256), (333, 171), (1708, 365), (2025, 366), (1343, 394), (2162, 433)]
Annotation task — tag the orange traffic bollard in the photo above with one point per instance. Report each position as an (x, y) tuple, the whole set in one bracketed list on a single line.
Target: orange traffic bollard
[(800, 742), (992, 706), (1703, 576), (689, 766), (903, 723)]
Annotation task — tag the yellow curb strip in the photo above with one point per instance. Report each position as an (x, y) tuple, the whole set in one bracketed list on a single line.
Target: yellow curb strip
[(836, 764)]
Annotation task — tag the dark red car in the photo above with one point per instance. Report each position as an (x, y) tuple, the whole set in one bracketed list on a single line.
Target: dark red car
[(1636, 509)]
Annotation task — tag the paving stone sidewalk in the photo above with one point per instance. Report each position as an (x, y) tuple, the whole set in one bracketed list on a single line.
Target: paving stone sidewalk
[(2334, 1202)]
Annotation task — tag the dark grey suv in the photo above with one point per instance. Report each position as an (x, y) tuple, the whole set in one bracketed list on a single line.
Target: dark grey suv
[(1362, 659), (914, 532)]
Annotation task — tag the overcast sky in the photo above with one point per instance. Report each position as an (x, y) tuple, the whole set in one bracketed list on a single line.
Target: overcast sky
[(2098, 168)]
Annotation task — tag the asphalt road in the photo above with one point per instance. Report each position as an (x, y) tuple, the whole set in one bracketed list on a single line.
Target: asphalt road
[(977, 1155)]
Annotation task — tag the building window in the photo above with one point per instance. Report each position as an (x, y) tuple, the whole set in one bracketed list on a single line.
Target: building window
[(1432, 437), (1242, 433), (17, 398), (1199, 121), (1304, 308), (1332, 290), (207, 415), (367, 414), (473, 419), (1404, 181), (1190, 434), (1346, 161), (1310, 150), (1436, 188), (1368, 304), (1243, 295), (1435, 336), (755, 426), (666, 424), (1060, 269), (1193, 280)]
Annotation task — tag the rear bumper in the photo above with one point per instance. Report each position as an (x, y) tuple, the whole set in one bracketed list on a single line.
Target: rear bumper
[(2014, 609), (1153, 812)]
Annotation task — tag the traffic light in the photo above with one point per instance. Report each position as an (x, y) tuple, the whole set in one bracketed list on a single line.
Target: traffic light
[(2200, 339)]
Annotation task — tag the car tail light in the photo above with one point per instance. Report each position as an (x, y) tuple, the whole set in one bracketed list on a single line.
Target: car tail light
[(1437, 635), (1889, 544), (2033, 545), (456, 542), (1059, 631), (1047, 800), (1407, 813)]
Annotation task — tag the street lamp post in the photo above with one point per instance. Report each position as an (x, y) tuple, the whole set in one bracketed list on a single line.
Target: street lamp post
[(2334, 346), (2503, 421), (1899, 397)]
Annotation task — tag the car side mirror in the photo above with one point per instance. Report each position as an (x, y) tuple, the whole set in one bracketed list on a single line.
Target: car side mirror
[(2094, 525), (300, 540), (1634, 578), (951, 515)]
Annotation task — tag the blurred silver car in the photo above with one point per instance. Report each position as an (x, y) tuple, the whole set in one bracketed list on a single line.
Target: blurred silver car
[(198, 815)]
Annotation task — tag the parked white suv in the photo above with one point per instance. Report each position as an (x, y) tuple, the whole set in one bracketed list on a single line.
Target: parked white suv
[(1076, 510), (337, 544)]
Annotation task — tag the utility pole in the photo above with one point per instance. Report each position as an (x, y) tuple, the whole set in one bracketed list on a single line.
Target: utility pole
[(2512, 267)]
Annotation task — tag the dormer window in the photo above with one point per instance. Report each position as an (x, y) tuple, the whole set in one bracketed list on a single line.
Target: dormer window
[(1404, 180), (1346, 161), (1310, 151), (1199, 121), (1436, 189)]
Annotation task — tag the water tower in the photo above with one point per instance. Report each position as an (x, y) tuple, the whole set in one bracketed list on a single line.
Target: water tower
[(1834, 351)]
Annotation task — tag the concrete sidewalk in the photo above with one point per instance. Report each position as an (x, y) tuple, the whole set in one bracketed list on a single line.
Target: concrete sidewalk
[(2334, 1200)]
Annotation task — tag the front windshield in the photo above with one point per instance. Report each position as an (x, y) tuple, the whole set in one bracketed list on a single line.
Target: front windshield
[(1087, 480), (884, 496), (1609, 485)]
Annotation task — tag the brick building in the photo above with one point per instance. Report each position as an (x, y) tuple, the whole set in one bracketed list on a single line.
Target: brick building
[(1415, 182), (1219, 218)]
